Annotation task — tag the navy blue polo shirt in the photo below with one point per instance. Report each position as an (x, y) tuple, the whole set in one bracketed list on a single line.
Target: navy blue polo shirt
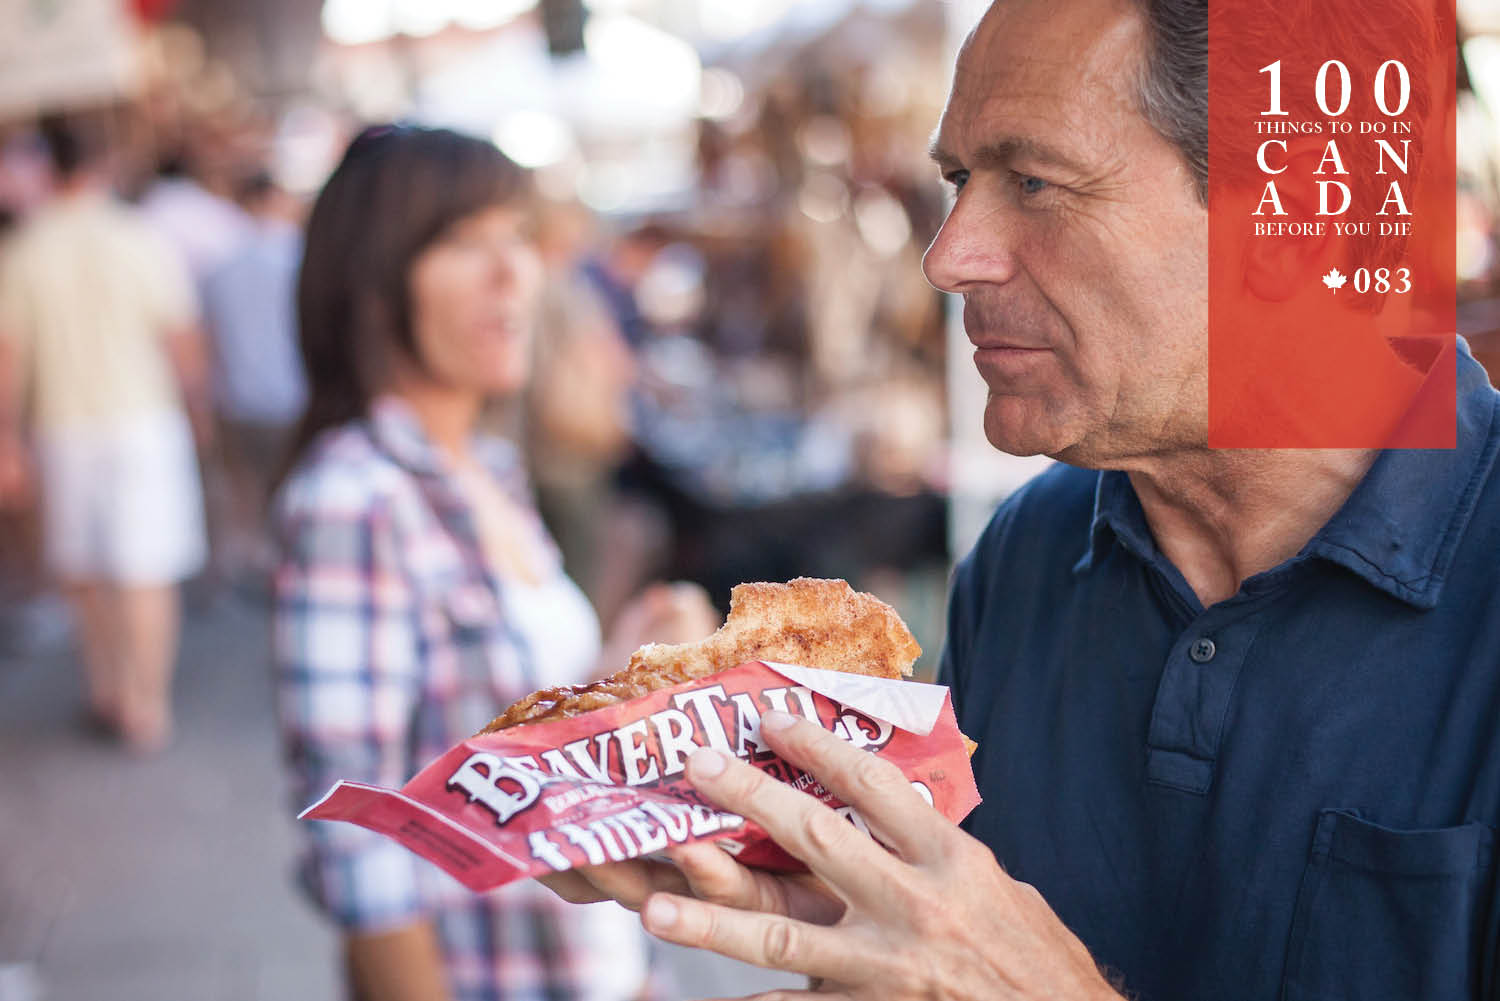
[(1293, 793)]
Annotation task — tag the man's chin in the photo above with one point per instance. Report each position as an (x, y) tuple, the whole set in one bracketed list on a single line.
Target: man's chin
[(1022, 437)]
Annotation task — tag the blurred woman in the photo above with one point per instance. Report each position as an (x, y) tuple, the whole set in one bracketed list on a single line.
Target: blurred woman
[(417, 592)]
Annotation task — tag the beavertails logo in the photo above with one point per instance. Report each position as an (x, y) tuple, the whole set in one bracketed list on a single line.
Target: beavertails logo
[(650, 750)]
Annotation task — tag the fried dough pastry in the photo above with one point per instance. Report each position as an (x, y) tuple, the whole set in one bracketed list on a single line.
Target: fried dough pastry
[(815, 623)]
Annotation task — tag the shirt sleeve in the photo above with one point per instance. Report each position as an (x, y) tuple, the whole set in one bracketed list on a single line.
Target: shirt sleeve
[(348, 674)]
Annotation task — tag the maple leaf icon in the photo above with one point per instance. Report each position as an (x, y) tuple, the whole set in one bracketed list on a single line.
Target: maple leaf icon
[(1334, 279)]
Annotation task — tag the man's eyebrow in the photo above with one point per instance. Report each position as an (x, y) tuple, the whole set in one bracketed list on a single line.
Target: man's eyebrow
[(938, 155), (1003, 152)]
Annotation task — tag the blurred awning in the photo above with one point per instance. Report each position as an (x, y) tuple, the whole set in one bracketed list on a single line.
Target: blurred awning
[(631, 79), (60, 54), (614, 120)]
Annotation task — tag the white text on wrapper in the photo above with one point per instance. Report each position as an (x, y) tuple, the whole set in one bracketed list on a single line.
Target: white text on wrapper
[(641, 830), (653, 748)]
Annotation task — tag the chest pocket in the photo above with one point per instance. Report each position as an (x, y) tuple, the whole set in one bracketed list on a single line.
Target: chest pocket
[(1384, 914)]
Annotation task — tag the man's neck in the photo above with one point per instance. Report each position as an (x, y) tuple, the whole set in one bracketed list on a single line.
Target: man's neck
[(1224, 516)]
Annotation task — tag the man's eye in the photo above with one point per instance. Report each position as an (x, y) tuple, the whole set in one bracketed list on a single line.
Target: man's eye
[(1032, 185), (957, 178)]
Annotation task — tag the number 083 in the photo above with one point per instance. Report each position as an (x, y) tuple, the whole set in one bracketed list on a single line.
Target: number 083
[(1382, 280)]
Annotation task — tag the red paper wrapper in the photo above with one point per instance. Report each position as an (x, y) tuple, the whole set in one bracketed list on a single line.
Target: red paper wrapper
[(608, 785)]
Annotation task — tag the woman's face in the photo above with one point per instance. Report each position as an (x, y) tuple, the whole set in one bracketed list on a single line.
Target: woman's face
[(473, 296)]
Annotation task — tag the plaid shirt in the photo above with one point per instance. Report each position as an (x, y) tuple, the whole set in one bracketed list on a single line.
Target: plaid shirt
[(391, 645)]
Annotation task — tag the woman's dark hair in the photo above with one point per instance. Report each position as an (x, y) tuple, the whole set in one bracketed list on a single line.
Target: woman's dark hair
[(396, 190)]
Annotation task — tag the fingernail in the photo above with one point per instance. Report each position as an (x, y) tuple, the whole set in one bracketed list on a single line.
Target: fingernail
[(775, 719), (660, 913), (707, 762)]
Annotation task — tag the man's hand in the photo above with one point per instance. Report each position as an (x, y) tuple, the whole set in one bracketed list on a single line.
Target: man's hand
[(934, 917), (627, 883)]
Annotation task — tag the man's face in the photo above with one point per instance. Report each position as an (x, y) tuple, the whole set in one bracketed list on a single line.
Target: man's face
[(1077, 239)]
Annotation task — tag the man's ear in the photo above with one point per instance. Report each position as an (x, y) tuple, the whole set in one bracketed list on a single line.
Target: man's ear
[(1277, 267)]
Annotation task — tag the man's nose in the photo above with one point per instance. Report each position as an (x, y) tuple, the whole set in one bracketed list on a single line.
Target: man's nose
[(973, 247)]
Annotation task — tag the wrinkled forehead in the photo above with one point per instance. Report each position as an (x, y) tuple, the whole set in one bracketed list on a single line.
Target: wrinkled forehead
[(1067, 60)]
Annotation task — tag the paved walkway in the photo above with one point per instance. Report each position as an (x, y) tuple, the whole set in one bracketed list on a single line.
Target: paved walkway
[(168, 879)]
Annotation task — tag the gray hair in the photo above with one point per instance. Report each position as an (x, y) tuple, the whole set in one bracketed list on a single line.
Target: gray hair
[(1173, 89)]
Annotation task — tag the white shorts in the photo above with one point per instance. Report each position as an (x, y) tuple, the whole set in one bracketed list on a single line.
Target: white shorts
[(124, 502)]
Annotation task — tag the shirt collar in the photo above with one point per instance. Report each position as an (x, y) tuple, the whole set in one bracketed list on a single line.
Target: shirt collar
[(400, 435), (1117, 516), (396, 430), (1400, 527)]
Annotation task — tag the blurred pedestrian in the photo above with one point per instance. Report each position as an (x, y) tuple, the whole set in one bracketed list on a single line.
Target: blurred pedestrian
[(99, 320), (617, 271), (249, 311), (418, 593), (205, 227), (578, 415)]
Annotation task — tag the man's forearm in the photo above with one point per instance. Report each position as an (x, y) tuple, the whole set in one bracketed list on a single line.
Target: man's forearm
[(401, 965)]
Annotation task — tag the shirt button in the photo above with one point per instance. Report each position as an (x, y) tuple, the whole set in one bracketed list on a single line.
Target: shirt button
[(1202, 650)]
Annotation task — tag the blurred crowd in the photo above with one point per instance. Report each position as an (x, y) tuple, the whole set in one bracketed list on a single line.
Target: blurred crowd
[(709, 370), (714, 358), (455, 435)]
